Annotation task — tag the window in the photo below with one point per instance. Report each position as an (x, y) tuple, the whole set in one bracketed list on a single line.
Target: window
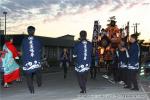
[(52, 52)]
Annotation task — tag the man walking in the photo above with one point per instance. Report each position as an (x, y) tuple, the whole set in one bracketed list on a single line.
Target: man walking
[(31, 56), (64, 60), (83, 53)]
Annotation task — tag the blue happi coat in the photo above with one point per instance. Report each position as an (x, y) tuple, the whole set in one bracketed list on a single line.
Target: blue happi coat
[(31, 54), (83, 54), (134, 55), (122, 58)]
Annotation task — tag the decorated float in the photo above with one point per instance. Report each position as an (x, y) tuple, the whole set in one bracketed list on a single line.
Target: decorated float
[(106, 40)]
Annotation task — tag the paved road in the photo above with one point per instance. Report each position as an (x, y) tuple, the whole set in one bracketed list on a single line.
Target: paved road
[(56, 88), (145, 85)]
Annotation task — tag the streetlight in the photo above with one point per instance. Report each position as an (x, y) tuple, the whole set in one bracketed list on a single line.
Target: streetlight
[(5, 13), (0, 24)]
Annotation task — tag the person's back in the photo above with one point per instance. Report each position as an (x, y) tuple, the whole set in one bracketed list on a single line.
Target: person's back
[(31, 50), (31, 58), (83, 51), (83, 55)]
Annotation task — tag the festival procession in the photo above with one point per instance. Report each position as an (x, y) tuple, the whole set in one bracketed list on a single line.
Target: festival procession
[(113, 57), (111, 48)]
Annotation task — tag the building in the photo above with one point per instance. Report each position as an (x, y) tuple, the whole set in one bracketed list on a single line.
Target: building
[(52, 47), (1, 32)]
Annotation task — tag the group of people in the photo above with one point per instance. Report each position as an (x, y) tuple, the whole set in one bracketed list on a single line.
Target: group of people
[(31, 52), (125, 68), (118, 52), (124, 63), (129, 63)]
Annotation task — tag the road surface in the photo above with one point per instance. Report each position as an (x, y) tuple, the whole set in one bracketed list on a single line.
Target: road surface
[(56, 88)]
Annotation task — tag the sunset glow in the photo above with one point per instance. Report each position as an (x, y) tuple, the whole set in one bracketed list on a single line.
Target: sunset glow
[(55, 18)]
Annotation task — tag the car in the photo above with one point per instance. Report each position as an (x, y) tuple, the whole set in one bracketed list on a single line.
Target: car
[(145, 65)]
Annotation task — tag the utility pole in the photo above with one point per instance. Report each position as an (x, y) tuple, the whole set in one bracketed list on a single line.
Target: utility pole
[(5, 13), (136, 27), (128, 32), (128, 28), (0, 23)]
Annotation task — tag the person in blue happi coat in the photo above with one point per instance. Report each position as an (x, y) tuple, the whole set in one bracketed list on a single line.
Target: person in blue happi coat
[(31, 58), (123, 56), (83, 54), (133, 63)]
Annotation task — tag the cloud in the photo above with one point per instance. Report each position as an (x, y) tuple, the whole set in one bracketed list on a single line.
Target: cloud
[(44, 6), (50, 10), (146, 4)]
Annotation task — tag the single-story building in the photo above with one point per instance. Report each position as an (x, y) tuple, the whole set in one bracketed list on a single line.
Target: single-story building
[(52, 47)]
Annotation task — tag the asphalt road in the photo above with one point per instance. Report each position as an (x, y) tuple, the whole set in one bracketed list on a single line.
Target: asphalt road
[(56, 88)]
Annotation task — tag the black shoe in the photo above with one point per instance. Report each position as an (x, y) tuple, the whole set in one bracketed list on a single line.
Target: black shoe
[(65, 76), (135, 89), (32, 91), (82, 91), (39, 85)]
